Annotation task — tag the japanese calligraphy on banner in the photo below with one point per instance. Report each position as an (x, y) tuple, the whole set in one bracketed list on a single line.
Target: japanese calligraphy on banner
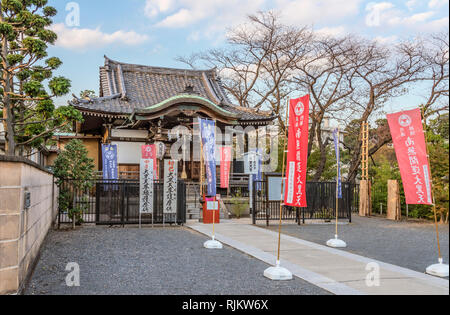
[(338, 162), (150, 152), (251, 163), (410, 148), (297, 157), (146, 186), (225, 165), (207, 131), (254, 166), (110, 167), (170, 186)]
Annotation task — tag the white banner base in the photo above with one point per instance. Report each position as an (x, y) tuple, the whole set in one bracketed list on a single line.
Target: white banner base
[(336, 243), (278, 273), (438, 270), (213, 244)]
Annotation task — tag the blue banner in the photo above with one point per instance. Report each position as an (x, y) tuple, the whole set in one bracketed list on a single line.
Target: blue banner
[(110, 167), (208, 131), (338, 161), (258, 177)]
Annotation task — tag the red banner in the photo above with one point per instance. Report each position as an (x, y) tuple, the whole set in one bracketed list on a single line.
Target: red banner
[(297, 157), (149, 153), (410, 147), (225, 165)]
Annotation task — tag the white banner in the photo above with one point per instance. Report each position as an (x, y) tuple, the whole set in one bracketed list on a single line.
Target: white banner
[(146, 186), (170, 186), (251, 163)]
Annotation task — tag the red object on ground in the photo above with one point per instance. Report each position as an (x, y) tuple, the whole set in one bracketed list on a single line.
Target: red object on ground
[(211, 215), (411, 149)]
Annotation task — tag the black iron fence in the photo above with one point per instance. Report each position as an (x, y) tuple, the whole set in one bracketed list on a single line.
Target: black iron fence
[(115, 202), (321, 200)]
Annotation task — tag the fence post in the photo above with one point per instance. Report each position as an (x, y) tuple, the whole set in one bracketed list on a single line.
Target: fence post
[(393, 211)]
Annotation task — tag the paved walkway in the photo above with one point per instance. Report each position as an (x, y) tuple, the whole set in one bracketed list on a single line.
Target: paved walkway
[(336, 271)]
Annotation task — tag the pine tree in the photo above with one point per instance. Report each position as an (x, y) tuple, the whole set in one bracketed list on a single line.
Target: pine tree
[(27, 84)]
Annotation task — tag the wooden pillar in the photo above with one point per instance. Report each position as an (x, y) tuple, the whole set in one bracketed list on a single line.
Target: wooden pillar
[(365, 199), (393, 207)]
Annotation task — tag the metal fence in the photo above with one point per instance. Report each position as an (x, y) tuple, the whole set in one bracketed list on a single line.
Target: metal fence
[(115, 202), (321, 200)]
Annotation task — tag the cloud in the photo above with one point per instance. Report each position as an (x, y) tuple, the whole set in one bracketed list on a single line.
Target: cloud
[(376, 11), (385, 14), (301, 12), (154, 7), (436, 4), (411, 4), (411, 20), (388, 40), (332, 31), (183, 13), (83, 38)]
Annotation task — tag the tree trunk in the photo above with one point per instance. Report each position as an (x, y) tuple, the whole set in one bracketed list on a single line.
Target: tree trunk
[(8, 113)]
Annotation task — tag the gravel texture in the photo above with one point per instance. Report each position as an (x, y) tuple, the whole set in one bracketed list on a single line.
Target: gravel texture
[(411, 245), (171, 261)]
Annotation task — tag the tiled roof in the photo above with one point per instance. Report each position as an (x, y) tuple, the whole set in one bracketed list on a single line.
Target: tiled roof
[(128, 88)]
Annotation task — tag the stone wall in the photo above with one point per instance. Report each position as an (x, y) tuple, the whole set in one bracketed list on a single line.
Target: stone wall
[(23, 225)]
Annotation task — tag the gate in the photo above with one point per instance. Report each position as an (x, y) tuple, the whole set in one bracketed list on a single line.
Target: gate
[(116, 202), (321, 200)]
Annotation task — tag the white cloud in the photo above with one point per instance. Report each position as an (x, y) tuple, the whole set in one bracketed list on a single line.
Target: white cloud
[(301, 12), (411, 4), (83, 38), (411, 20), (155, 7), (436, 4), (332, 31), (182, 13), (388, 40), (376, 11)]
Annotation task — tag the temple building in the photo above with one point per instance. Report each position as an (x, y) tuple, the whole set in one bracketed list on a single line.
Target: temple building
[(141, 104)]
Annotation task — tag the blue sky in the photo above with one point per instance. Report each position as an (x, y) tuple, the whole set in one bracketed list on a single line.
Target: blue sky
[(154, 32)]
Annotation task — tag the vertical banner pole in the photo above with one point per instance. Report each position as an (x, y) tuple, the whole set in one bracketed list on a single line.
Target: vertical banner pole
[(337, 187), (214, 211), (440, 269), (432, 186), (336, 242), (279, 273), (283, 181)]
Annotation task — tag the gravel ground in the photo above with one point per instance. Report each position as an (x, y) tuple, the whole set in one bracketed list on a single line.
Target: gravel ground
[(407, 244), (172, 261)]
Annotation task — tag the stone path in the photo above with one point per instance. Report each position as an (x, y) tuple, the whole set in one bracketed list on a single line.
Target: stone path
[(336, 271)]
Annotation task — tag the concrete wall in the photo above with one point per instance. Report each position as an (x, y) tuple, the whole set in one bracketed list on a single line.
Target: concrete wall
[(22, 230)]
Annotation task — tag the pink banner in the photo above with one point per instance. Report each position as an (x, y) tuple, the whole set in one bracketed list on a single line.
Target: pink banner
[(297, 157), (225, 165), (410, 147), (149, 153)]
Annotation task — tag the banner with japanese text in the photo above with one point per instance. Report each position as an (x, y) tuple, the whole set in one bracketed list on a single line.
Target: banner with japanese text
[(225, 166), (109, 158), (297, 157), (146, 186), (170, 186), (150, 152), (207, 131), (337, 149), (410, 147)]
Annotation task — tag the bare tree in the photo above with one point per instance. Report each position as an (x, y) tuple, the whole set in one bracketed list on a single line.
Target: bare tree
[(382, 73), (327, 74), (257, 65), (433, 72)]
